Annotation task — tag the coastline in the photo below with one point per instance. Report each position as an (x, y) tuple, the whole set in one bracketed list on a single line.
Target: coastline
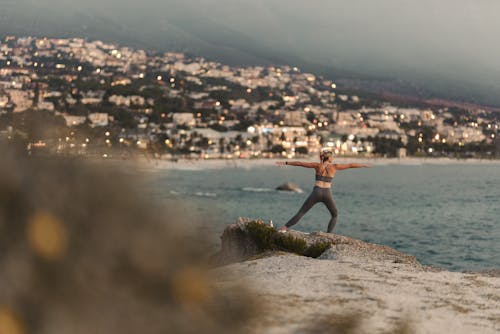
[(194, 164)]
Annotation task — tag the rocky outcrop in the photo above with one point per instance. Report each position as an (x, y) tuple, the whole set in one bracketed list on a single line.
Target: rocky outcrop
[(351, 286), (289, 187), (249, 237)]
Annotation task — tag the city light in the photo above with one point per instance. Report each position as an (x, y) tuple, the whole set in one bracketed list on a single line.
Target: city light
[(206, 111)]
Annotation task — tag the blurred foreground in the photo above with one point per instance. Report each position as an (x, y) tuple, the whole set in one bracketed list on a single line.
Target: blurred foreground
[(82, 252)]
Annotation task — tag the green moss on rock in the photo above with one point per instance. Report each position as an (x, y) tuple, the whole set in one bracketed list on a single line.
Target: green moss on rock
[(291, 244), (267, 238), (316, 249), (262, 234)]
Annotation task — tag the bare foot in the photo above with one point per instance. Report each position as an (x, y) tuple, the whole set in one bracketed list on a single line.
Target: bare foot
[(283, 229)]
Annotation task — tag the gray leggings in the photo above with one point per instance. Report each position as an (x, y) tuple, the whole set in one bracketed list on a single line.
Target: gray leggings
[(318, 195)]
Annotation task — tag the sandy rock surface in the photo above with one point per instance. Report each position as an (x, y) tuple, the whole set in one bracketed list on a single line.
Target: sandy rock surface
[(296, 290), (384, 290)]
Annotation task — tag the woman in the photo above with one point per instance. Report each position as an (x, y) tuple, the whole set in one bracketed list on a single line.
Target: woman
[(325, 171)]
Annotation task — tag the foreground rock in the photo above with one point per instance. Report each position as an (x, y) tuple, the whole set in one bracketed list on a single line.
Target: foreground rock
[(248, 238), (365, 288)]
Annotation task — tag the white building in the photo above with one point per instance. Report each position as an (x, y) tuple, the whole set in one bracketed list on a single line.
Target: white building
[(192, 68), (45, 105), (21, 98), (184, 118), (99, 119), (4, 100), (240, 104), (74, 120)]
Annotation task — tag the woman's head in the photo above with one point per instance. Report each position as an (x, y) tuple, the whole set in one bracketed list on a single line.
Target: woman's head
[(326, 155)]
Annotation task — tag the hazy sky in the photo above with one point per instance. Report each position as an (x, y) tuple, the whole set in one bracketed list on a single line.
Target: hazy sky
[(430, 42)]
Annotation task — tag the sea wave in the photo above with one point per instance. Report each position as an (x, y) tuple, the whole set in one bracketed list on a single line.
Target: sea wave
[(204, 194), (258, 190)]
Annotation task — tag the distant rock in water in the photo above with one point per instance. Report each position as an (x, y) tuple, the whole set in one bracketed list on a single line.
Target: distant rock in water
[(249, 238), (289, 187)]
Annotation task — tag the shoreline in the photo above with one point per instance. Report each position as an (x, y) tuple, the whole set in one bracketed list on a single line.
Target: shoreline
[(194, 164)]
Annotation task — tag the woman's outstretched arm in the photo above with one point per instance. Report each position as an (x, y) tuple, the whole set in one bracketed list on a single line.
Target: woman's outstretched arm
[(298, 163), (347, 166)]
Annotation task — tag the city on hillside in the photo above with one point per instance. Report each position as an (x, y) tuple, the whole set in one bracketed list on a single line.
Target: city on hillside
[(91, 98)]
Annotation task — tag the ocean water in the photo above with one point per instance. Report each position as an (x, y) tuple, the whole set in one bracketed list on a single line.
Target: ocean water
[(447, 215)]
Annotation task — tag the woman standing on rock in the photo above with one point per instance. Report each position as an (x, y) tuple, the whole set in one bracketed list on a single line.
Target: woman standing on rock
[(325, 171)]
